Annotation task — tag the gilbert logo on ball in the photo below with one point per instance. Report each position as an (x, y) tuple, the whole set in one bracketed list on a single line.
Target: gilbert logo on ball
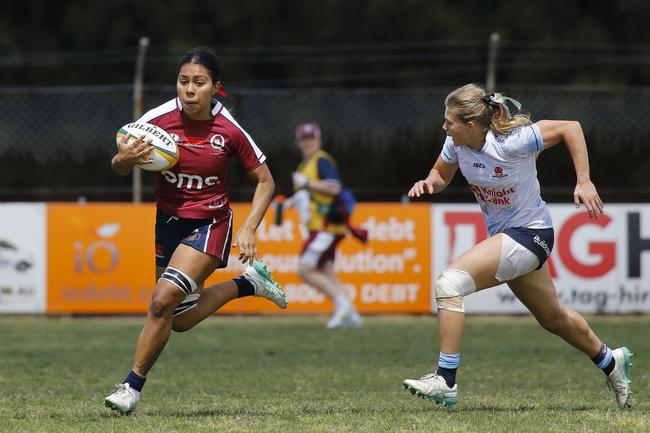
[(165, 149)]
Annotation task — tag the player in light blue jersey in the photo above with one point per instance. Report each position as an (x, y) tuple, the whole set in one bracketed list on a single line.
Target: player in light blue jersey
[(496, 151)]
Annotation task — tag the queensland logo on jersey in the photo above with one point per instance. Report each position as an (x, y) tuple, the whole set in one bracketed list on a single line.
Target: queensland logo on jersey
[(218, 142), (498, 173)]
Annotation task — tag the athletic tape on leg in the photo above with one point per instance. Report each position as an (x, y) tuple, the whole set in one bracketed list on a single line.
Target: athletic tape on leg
[(451, 286), (179, 279), (188, 303)]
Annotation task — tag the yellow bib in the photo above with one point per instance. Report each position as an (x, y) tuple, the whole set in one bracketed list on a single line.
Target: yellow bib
[(320, 203)]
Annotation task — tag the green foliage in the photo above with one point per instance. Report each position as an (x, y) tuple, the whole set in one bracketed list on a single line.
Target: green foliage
[(290, 374)]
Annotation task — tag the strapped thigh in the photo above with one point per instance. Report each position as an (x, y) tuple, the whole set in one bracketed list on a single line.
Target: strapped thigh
[(179, 279), (516, 260)]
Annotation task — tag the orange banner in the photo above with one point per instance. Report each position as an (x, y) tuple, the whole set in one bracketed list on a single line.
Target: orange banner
[(101, 260)]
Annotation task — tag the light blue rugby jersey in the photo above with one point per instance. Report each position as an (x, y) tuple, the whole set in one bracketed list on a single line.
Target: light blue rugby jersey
[(503, 178)]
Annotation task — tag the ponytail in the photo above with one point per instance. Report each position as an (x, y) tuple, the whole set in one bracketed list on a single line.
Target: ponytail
[(489, 111), (502, 120)]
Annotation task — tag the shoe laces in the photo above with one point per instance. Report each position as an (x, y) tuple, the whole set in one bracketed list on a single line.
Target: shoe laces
[(615, 385), (430, 376), (123, 389)]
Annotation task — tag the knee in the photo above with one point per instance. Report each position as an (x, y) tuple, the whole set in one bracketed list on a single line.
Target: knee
[(161, 305), (451, 286)]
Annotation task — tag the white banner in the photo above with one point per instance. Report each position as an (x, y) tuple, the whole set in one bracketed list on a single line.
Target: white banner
[(598, 266), (22, 257)]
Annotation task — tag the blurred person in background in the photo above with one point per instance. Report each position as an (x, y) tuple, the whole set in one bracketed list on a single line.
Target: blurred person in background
[(193, 219), (496, 151), (327, 218)]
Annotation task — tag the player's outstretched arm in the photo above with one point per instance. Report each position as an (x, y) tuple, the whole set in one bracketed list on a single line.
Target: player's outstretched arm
[(245, 239), (437, 180), (569, 131)]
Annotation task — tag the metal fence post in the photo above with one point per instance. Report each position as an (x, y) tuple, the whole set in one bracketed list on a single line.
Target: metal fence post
[(493, 49), (137, 109)]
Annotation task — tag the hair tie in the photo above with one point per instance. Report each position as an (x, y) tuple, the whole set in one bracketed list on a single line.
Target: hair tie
[(495, 101), (489, 99)]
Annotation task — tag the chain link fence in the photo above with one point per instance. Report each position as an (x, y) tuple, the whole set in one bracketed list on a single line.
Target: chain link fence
[(57, 142)]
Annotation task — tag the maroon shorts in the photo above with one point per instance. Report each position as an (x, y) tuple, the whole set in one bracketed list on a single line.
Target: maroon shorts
[(319, 248), (211, 236)]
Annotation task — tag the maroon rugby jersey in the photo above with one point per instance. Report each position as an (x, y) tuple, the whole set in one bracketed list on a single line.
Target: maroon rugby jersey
[(197, 186)]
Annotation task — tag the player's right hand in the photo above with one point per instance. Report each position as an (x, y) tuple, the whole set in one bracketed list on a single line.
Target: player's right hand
[(420, 187), (134, 151)]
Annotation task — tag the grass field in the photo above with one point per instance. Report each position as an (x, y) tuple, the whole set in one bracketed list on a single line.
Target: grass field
[(289, 374)]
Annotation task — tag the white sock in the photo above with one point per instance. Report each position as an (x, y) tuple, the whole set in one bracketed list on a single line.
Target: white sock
[(341, 301)]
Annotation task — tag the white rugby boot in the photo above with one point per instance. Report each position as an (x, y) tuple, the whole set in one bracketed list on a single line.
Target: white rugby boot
[(124, 400), (619, 379), (342, 309), (352, 320), (433, 387), (265, 286)]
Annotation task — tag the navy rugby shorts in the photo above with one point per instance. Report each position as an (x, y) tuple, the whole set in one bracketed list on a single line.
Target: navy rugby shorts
[(537, 241), (211, 236)]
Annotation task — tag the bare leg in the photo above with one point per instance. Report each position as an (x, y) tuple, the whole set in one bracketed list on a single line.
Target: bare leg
[(157, 328), (328, 270), (165, 299), (481, 263), (537, 292), (322, 279), (211, 299)]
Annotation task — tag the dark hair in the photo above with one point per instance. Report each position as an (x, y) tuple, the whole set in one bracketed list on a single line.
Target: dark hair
[(204, 57)]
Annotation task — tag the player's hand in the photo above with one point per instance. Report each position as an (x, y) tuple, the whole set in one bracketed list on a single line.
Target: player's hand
[(299, 180), (585, 192), (245, 241), (134, 152), (420, 187)]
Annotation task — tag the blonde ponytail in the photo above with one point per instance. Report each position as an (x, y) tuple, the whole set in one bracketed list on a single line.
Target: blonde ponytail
[(489, 111)]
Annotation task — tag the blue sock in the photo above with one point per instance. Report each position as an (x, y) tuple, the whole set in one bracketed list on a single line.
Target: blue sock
[(135, 381), (244, 286), (447, 366), (604, 360)]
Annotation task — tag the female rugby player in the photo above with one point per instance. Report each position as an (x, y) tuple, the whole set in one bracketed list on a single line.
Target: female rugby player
[(496, 152), (194, 220)]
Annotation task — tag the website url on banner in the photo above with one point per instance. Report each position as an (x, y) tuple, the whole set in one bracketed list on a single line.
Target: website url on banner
[(630, 297)]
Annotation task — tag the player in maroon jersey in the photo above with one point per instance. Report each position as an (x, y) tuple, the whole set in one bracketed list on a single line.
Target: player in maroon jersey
[(194, 219)]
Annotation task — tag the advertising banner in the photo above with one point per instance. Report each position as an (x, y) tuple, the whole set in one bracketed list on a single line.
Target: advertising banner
[(101, 260), (598, 266), (22, 258), (389, 274)]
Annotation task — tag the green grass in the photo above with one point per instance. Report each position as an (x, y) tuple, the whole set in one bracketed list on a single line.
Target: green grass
[(289, 374)]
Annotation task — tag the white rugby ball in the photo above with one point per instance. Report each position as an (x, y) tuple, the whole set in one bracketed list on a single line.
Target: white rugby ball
[(165, 150)]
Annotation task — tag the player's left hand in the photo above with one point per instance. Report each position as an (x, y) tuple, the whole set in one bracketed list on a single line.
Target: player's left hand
[(585, 192), (245, 241)]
